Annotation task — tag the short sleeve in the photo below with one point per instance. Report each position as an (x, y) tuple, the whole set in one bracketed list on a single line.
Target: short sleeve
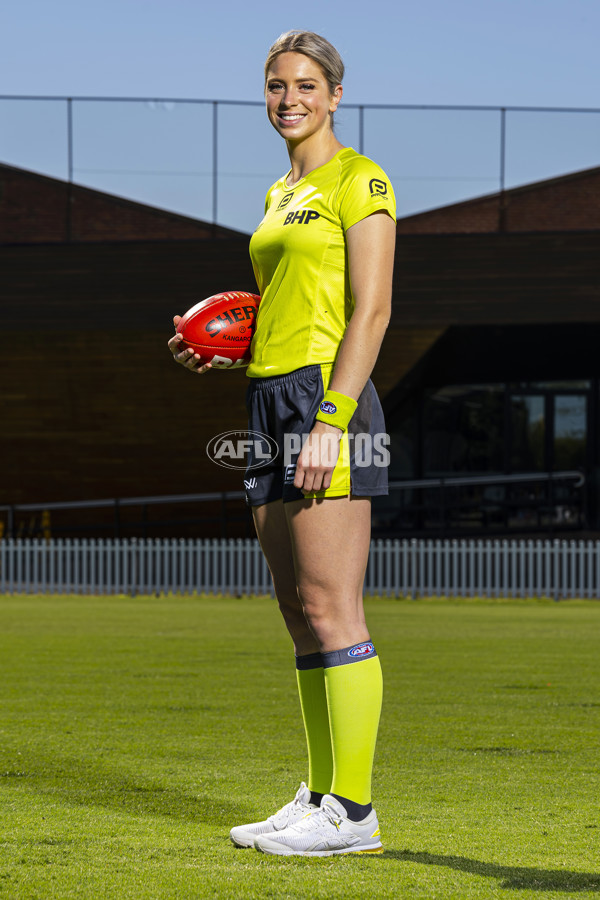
[(364, 188), (268, 198)]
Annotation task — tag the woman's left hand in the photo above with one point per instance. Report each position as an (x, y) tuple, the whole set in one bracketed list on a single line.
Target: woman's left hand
[(318, 458)]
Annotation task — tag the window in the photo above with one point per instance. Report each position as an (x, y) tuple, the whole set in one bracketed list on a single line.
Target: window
[(464, 429), (570, 430), (528, 433)]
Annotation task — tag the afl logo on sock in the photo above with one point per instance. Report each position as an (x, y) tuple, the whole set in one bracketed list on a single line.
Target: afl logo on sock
[(362, 649)]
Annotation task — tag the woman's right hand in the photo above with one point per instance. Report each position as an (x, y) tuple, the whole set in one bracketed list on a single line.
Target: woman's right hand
[(187, 358)]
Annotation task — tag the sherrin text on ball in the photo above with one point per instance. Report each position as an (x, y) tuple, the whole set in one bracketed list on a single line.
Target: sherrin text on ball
[(221, 328)]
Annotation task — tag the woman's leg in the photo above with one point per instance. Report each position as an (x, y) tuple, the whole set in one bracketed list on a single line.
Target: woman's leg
[(330, 540), (274, 537)]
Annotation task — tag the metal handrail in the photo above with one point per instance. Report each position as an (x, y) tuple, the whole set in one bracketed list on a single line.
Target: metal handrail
[(122, 501), (457, 481), (115, 503), (452, 481), (436, 106)]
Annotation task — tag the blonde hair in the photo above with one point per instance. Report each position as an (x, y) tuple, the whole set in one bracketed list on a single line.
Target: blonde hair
[(316, 48)]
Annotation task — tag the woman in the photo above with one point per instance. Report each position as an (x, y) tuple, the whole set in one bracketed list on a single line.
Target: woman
[(323, 259)]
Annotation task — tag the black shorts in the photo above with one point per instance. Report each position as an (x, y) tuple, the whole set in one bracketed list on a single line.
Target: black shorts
[(284, 408)]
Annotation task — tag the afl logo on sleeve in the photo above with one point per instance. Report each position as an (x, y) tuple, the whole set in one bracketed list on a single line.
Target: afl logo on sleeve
[(378, 187)]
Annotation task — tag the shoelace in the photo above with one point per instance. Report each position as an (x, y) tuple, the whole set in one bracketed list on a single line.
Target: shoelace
[(315, 819), (284, 814)]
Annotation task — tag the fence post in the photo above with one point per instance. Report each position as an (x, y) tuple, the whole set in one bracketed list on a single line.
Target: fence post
[(396, 568), (69, 209), (413, 569), (133, 567), (361, 129), (215, 164), (502, 192)]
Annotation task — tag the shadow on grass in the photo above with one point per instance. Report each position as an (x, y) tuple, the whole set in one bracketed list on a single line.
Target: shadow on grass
[(515, 877), (122, 792)]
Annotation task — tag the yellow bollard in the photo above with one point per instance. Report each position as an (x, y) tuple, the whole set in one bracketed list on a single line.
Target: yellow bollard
[(46, 531)]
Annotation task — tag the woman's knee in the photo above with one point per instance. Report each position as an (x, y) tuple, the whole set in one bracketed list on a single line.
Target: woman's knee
[(291, 609), (325, 612), (318, 612)]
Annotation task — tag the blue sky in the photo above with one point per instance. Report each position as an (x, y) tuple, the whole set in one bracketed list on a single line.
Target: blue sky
[(497, 52), (466, 52)]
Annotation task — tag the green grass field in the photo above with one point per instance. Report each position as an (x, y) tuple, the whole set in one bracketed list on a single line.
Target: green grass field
[(135, 732)]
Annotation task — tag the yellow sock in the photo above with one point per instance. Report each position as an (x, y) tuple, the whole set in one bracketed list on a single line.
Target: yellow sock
[(313, 700), (354, 686)]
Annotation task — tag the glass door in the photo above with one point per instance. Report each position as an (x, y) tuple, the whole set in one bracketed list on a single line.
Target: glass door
[(548, 431), (570, 432), (528, 433)]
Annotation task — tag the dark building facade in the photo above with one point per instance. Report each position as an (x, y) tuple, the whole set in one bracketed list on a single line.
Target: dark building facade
[(488, 370), (509, 387)]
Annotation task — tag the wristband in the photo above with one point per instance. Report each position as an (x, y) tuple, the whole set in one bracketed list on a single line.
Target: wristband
[(336, 409)]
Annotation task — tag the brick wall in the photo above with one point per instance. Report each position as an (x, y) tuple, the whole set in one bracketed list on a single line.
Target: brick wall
[(570, 203), (37, 209), (92, 403)]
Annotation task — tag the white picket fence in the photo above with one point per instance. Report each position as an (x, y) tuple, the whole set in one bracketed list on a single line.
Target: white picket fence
[(492, 568)]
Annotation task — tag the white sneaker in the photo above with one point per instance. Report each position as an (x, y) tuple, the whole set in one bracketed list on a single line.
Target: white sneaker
[(244, 835), (326, 831)]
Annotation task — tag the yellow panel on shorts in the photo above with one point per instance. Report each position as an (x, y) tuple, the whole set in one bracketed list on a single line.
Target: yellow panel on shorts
[(340, 482)]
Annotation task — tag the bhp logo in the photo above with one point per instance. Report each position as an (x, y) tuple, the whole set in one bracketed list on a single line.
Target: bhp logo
[(301, 217)]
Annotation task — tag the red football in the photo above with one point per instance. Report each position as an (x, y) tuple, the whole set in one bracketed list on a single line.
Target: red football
[(221, 328)]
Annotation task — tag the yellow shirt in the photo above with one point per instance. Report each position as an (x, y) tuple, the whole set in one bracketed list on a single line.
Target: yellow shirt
[(301, 265)]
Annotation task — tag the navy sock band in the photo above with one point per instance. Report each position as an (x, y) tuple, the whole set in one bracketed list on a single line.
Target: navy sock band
[(356, 653), (356, 812), (310, 661)]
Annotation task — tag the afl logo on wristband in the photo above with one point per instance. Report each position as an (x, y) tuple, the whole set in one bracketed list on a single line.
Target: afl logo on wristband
[(328, 407), (362, 650), (376, 186)]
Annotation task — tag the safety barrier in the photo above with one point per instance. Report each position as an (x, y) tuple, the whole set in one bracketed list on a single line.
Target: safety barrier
[(176, 153), (492, 568)]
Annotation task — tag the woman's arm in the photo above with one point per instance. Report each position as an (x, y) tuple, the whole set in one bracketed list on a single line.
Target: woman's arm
[(371, 244)]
